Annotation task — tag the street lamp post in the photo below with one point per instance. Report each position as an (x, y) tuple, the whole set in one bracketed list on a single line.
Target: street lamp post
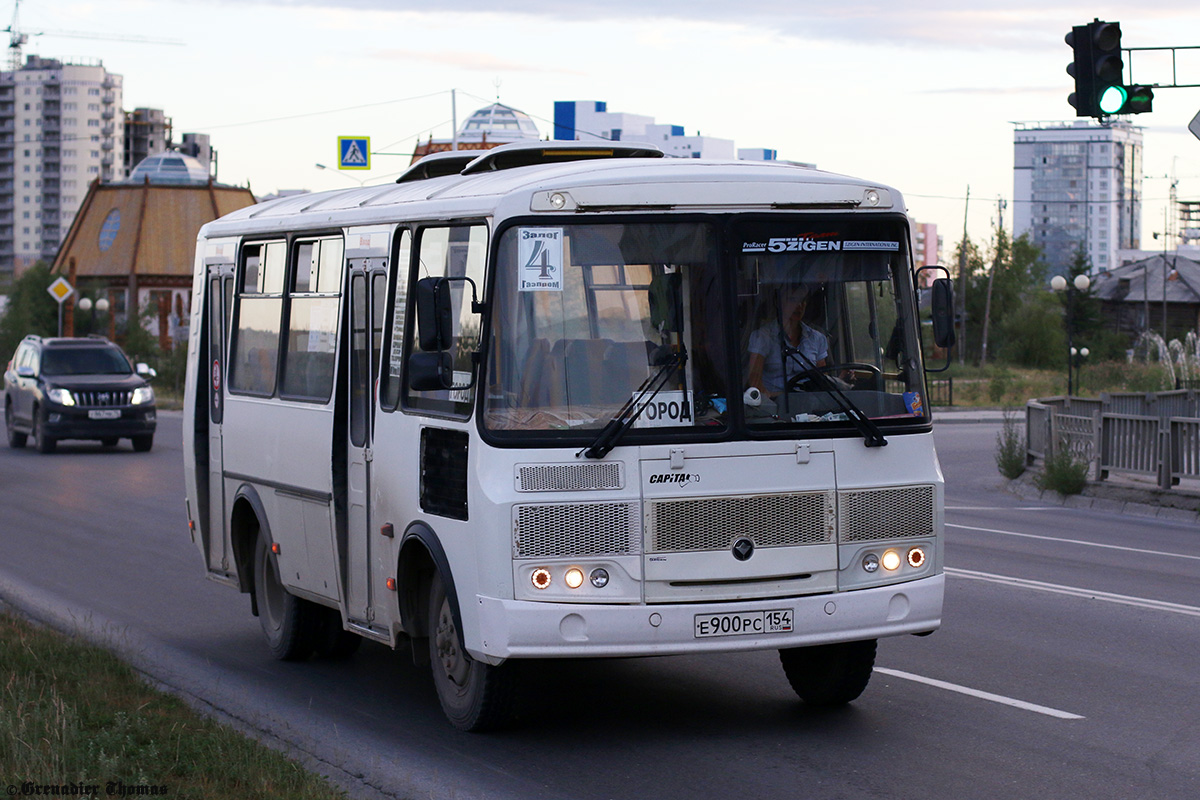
[(1081, 283)]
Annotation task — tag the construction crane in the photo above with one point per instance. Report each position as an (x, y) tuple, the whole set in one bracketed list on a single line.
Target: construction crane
[(17, 38)]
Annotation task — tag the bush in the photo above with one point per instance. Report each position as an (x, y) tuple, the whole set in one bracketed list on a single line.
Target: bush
[(1065, 472), (1010, 448)]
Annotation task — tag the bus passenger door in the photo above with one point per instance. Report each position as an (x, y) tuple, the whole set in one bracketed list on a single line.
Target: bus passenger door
[(219, 294), (364, 552)]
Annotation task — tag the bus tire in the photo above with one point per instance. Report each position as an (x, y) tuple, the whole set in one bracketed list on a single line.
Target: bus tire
[(830, 674), (474, 696), (289, 623)]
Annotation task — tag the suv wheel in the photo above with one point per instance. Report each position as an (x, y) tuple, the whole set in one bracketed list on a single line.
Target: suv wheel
[(143, 443), (15, 438), (43, 443)]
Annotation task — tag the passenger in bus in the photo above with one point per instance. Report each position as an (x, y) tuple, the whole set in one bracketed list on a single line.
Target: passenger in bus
[(785, 325)]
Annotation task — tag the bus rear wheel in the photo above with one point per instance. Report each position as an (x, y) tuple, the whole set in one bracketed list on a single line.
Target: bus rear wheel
[(474, 696), (290, 624), (830, 674)]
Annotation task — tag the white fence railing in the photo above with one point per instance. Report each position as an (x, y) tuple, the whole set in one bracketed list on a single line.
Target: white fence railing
[(1155, 434)]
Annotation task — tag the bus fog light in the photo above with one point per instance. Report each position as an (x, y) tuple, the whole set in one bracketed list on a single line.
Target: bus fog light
[(540, 578), (891, 561), (599, 577), (574, 577), (916, 557), (870, 562)]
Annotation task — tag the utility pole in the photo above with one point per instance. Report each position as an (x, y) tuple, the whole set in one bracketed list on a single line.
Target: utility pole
[(1001, 204), (962, 282)]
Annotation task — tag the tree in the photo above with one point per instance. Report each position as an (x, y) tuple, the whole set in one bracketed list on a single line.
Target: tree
[(30, 310)]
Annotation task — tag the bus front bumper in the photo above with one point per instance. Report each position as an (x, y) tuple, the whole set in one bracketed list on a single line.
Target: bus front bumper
[(523, 629)]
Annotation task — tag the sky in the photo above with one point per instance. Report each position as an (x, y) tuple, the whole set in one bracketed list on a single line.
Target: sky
[(917, 94)]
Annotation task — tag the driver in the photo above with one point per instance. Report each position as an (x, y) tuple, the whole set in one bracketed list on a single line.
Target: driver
[(767, 360)]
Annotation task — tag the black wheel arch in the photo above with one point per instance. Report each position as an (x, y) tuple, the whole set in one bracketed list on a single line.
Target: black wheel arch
[(247, 522), (421, 555)]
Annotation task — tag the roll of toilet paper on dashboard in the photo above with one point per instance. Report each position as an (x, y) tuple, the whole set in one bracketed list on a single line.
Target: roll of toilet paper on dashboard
[(752, 397)]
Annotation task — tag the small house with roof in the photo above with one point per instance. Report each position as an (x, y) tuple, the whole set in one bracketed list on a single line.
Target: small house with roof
[(1166, 282), (133, 242)]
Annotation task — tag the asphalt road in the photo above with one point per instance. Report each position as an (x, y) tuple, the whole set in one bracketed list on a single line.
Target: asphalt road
[(1066, 666)]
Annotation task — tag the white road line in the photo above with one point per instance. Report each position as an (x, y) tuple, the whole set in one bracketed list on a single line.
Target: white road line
[(995, 698), (1080, 542), (1075, 591), (1005, 508)]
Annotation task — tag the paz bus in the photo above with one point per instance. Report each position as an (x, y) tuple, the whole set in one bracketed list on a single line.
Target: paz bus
[(568, 401)]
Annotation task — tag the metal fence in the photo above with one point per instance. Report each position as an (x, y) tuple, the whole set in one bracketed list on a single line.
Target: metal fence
[(1156, 433)]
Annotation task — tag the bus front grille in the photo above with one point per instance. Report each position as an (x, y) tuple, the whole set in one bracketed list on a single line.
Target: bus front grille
[(870, 515), (715, 523), (551, 530)]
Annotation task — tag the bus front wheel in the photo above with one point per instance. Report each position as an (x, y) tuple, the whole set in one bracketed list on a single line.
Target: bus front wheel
[(474, 696), (290, 624), (830, 674)]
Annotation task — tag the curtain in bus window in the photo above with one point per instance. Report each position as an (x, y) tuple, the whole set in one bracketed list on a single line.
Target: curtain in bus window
[(394, 358)]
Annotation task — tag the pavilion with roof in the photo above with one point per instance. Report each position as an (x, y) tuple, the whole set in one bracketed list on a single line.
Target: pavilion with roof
[(133, 242)]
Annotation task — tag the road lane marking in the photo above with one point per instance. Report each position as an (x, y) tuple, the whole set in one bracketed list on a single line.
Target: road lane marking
[(1004, 508), (1075, 591), (1163, 553), (995, 698)]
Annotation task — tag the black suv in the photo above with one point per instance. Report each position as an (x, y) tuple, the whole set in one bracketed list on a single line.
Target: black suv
[(77, 389)]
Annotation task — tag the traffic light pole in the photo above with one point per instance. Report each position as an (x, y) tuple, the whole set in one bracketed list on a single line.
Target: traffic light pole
[(1174, 84)]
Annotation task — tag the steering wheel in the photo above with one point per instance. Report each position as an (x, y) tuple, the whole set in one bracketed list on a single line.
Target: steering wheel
[(849, 366)]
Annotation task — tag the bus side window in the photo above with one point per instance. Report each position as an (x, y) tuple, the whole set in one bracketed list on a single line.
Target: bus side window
[(393, 346), (458, 251), (260, 305), (312, 321)]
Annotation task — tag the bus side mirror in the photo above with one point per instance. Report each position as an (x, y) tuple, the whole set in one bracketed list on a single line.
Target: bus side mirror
[(943, 313), (435, 327), (429, 372)]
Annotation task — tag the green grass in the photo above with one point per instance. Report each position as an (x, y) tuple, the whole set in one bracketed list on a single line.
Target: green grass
[(72, 713), (1004, 386)]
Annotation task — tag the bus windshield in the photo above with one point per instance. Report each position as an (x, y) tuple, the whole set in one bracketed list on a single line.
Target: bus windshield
[(593, 322)]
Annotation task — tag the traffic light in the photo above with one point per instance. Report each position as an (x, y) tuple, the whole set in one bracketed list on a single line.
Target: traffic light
[(1138, 100), (1097, 69)]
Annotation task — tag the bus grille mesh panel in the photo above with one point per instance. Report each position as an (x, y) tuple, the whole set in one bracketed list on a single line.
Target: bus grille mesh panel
[(878, 514), (567, 477), (575, 529), (715, 523)]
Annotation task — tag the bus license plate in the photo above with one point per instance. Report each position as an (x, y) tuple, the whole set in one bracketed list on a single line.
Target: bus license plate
[(104, 413), (751, 623)]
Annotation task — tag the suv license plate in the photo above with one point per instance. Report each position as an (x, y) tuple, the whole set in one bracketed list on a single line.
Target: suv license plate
[(104, 413), (750, 623)]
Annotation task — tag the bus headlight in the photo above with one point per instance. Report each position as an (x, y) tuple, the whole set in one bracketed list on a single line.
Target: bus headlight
[(891, 561), (916, 557), (540, 578), (870, 562), (574, 578), (599, 577)]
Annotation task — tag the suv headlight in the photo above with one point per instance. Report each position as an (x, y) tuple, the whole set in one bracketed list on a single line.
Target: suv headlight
[(143, 395), (61, 396)]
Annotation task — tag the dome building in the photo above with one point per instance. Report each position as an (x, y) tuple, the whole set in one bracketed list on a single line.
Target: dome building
[(488, 127)]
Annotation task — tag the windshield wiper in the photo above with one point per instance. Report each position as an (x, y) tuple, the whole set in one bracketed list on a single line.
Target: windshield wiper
[(866, 426), (624, 419)]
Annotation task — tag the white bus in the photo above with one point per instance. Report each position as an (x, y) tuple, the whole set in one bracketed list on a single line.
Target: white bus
[(565, 401)]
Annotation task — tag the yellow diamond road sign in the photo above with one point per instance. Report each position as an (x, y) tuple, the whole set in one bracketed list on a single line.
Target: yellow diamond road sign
[(60, 290)]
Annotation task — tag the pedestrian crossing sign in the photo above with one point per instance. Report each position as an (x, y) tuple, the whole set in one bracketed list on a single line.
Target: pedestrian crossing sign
[(354, 152)]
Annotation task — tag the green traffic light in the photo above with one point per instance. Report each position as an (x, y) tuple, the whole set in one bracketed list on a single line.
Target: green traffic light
[(1112, 99)]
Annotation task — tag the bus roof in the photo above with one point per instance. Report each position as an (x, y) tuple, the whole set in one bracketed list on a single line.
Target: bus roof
[(599, 185)]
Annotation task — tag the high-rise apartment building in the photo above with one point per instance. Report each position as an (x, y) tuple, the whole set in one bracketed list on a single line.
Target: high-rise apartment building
[(1078, 184), (61, 127)]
